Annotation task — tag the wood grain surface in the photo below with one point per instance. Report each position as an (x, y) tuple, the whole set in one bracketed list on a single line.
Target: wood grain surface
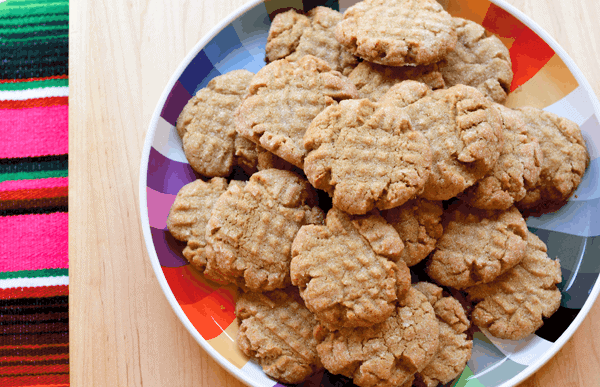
[(122, 54)]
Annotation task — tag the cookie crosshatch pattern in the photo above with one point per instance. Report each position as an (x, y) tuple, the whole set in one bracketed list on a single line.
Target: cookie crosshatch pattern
[(541, 79)]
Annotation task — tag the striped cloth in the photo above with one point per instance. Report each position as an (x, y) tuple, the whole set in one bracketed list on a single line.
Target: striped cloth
[(34, 326)]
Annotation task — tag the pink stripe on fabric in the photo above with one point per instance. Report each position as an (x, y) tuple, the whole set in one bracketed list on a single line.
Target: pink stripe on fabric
[(34, 242), (51, 182), (36, 131), (159, 205)]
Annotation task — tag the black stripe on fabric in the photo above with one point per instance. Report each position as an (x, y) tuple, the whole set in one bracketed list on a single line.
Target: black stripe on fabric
[(35, 59), (34, 362), (25, 71), (34, 351), (47, 338), (35, 310), (43, 374), (32, 50), (33, 34), (64, 22), (34, 164), (34, 210), (34, 322), (34, 333), (40, 301)]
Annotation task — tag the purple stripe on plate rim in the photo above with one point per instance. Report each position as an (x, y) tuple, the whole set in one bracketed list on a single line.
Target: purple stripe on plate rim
[(159, 205), (176, 100), (168, 249), (168, 176)]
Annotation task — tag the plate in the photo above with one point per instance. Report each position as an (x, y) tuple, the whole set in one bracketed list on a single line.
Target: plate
[(545, 77)]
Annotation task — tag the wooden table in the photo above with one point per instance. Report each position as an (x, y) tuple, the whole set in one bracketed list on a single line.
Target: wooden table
[(122, 54)]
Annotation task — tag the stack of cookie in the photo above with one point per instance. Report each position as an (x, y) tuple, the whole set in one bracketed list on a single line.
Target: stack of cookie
[(394, 111)]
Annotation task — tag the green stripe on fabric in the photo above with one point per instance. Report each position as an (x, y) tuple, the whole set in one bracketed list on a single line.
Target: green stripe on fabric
[(34, 84), (34, 19), (18, 39), (33, 175), (35, 273), (7, 31), (14, 9)]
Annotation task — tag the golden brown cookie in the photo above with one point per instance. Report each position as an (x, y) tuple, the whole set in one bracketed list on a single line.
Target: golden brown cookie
[(373, 80), (565, 157), (454, 348), (464, 130), (366, 155), (478, 60), (345, 269), (251, 229), (477, 246), (268, 160), (387, 354), (276, 329), (397, 32), (516, 171), (419, 224), (283, 99), (513, 305), (207, 129), (189, 215), (293, 35)]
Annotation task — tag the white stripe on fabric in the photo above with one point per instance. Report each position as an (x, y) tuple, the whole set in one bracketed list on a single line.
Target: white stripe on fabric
[(525, 351), (33, 282), (42, 92), (167, 142)]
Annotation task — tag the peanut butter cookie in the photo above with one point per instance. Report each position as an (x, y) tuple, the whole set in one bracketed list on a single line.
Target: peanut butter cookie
[(345, 269), (516, 171), (189, 215), (464, 130), (251, 229), (207, 129), (478, 60), (513, 305), (283, 99), (373, 80), (565, 157), (293, 35), (477, 246), (276, 329), (397, 32), (387, 354), (419, 224), (454, 348), (366, 155)]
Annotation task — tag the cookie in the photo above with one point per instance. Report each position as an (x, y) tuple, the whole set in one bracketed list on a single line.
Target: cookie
[(366, 155), (397, 32), (251, 229), (189, 215), (284, 97), (512, 306), (565, 157), (373, 80), (387, 354), (268, 160), (419, 224), (276, 329), (477, 246), (516, 171), (207, 129), (293, 35), (455, 348), (345, 269), (464, 130), (478, 60)]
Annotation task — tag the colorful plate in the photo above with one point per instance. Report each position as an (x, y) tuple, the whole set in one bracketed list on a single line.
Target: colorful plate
[(545, 77)]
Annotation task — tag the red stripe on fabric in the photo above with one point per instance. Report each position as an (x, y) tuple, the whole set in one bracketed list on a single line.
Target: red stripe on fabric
[(35, 102), (60, 356), (529, 53), (38, 241), (33, 79), (35, 380), (39, 193), (33, 346), (502, 23), (37, 292), (34, 369), (51, 182), (37, 131)]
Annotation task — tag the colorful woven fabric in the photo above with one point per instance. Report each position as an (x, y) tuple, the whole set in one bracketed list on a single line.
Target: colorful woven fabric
[(34, 282)]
